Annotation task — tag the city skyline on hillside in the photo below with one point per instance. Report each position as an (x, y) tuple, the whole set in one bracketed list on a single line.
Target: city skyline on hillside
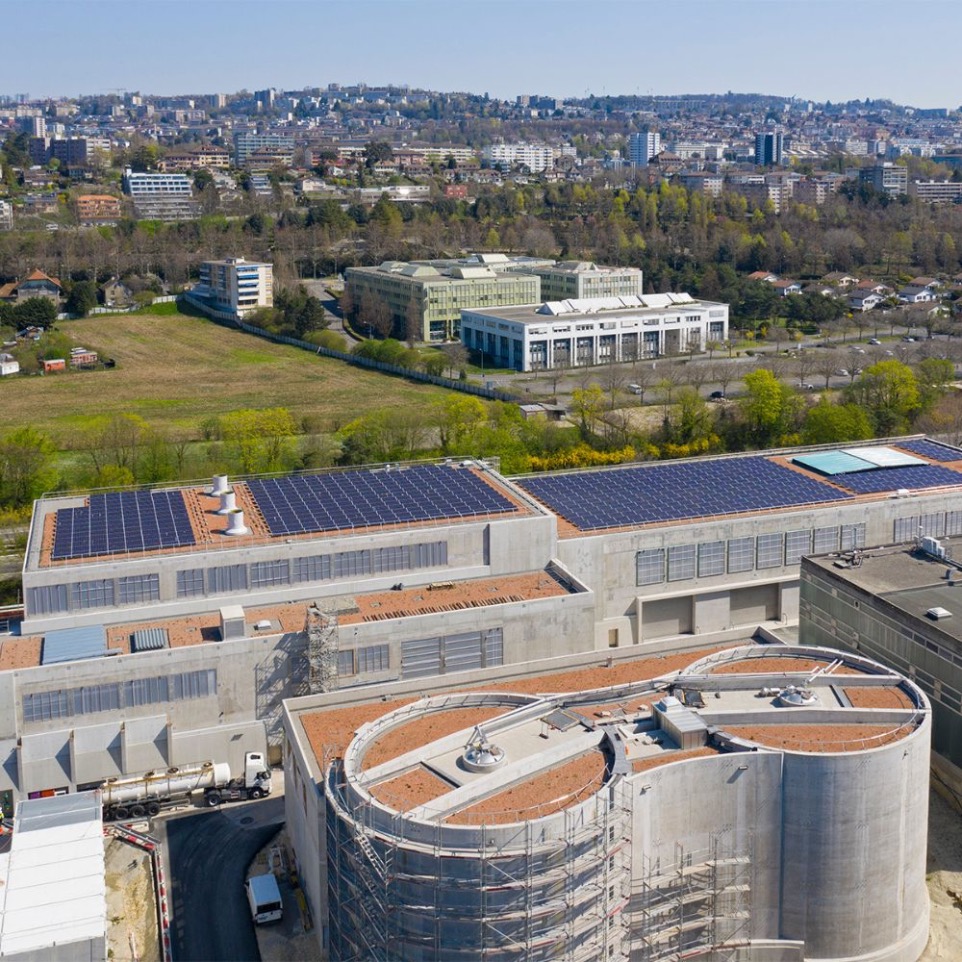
[(557, 48)]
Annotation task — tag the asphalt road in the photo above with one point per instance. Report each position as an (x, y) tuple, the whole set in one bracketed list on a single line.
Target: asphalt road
[(207, 854)]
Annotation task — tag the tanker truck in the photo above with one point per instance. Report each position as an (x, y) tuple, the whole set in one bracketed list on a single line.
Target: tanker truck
[(136, 796)]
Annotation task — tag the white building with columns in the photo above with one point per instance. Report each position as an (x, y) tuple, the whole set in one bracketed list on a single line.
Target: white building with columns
[(581, 333)]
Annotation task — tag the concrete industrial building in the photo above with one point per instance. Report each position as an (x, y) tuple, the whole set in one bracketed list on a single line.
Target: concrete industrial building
[(235, 286), (133, 657), (581, 333), (680, 815), (898, 604)]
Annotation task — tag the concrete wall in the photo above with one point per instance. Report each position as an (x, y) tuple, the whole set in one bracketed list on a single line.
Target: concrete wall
[(853, 850), (254, 675), (838, 614), (475, 550), (607, 562)]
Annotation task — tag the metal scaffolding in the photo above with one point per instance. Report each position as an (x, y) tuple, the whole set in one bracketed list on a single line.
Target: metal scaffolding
[(508, 893), (322, 647), (702, 900)]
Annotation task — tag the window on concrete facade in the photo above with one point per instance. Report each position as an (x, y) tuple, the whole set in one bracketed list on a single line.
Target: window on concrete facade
[(797, 545), (711, 559), (953, 522), (826, 539), (906, 529), (681, 562), (852, 536), (373, 658), (317, 568), (91, 594), (267, 573), (227, 578), (47, 599), (345, 662), (932, 525), (190, 583), (138, 588), (768, 550), (650, 567), (741, 554)]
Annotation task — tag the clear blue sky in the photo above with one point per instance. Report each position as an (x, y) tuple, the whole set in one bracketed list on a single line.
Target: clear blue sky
[(812, 49)]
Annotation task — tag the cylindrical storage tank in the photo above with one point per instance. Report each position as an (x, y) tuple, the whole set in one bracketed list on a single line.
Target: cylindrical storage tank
[(419, 890), (228, 502), (853, 847)]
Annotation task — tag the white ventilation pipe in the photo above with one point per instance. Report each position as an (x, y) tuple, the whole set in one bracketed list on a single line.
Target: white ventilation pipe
[(220, 485), (236, 523), (228, 503)]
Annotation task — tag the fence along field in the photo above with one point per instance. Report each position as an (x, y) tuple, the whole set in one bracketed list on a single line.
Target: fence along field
[(180, 371)]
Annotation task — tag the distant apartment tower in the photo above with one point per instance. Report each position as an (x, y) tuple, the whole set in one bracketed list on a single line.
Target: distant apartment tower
[(768, 149), (535, 157), (236, 286), (247, 144), (890, 179), (642, 146)]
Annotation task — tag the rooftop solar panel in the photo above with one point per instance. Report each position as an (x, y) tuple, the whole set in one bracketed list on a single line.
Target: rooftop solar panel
[(676, 491), (932, 449), (361, 499), (893, 479), (120, 522)]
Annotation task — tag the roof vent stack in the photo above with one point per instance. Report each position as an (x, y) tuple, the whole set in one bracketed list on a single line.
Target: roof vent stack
[(220, 485)]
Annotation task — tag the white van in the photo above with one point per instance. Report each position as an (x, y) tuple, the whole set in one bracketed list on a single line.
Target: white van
[(265, 898)]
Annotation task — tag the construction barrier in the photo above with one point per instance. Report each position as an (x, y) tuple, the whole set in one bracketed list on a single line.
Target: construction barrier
[(151, 846)]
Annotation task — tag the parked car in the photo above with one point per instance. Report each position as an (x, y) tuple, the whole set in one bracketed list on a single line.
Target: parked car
[(841, 372), (874, 341), (635, 389), (716, 396), (908, 340)]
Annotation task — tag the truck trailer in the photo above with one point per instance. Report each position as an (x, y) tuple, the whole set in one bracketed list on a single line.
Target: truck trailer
[(140, 795)]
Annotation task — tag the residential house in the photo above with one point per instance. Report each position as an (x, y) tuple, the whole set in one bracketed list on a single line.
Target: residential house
[(766, 276), (840, 279), (916, 294), (786, 288), (864, 300), (117, 294), (37, 284)]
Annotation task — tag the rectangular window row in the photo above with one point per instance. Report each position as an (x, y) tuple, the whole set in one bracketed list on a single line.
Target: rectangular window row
[(101, 593), (940, 524), (91, 699), (363, 660), (712, 558), (343, 564)]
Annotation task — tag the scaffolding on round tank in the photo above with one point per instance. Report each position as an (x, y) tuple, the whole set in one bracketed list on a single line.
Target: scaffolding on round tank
[(517, 892), (702, 900)]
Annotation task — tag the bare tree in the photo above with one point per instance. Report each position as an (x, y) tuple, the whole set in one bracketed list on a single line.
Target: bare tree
[(613, 380), (825, 366), (375, 315), (455, 357)]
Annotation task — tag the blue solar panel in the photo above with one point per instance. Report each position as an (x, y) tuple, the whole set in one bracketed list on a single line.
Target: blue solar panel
[(121, 522), (675, 491), (891, 479), (361, 499), (932, 449)]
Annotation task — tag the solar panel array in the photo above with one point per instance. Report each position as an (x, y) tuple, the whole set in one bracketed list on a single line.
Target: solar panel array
[(121, 522), (675, 491), (932, 449), (361, 499), (892, 479)]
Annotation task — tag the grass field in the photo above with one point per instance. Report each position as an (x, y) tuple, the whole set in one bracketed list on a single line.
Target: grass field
[(178, 372)]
